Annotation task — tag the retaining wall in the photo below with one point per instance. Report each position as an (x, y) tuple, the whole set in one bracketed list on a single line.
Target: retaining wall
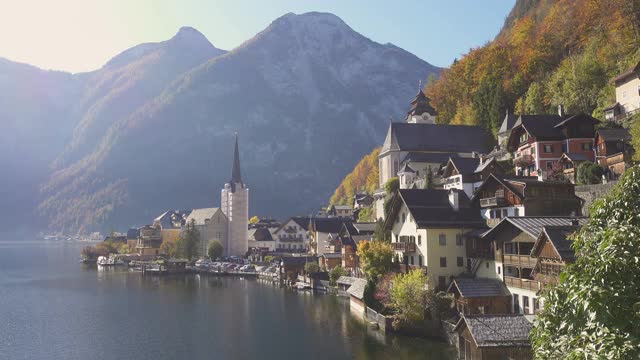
[(591, 193)]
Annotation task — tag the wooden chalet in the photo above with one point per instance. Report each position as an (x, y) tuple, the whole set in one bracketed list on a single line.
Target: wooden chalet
[(525, 196), (553, 251), (538, 141), (480, 296), (613, 150), (491, 337)]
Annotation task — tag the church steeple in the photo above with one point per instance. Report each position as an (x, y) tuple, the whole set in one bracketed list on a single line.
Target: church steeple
[(235, 172)]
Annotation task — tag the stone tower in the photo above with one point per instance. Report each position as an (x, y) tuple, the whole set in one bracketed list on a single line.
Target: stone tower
[(235, 205)]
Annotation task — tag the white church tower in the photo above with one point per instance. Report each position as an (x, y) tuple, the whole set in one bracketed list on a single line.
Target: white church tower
[(235, 205)]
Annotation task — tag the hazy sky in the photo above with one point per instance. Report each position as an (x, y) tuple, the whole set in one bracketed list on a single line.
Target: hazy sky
[(81, 35)]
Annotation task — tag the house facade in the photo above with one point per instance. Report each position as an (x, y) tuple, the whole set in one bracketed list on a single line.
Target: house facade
[(627, 94), (468, 174), (506, 254), (614, 150), (499, 197), (539, 141), (212, 225), (427, 228), (293, 235)]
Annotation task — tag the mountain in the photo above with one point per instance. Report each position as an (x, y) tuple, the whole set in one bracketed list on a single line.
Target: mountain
[(152, 130), (548, 53)]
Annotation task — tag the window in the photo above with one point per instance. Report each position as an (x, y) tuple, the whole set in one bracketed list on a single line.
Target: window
[(564, 147), (442, 282), (420, 260), (524, 137), (411, 260), (516, 212), (459, 241), (548, 148), (549, 165), (404, 218), (505, 213), (443, 262), (460, 261), (498, 270), (419, 239), (536, 305), (586, 146), (516, 304), (481, 309), (487, 265), (443, 240), (525, 304)]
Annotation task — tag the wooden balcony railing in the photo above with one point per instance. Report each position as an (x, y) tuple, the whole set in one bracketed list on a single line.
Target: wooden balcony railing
[(520, 260), (493, 201), (526, 284), (404, 247)]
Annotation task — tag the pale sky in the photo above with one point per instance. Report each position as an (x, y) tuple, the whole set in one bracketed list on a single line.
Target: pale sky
[(82, 35)]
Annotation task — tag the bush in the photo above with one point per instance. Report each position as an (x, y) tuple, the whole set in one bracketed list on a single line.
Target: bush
[(311, 268), (215, 250), (392, 185), (335, 274), (589, 173), (409, 299)]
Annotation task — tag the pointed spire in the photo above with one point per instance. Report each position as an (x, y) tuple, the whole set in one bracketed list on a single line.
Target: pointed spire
[(235, 172)]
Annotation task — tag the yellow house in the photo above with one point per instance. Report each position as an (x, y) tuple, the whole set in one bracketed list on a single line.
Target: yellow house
[(427, 228)]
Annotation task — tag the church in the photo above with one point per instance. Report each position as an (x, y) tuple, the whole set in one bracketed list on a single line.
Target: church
[(418, 145), (235, 206)]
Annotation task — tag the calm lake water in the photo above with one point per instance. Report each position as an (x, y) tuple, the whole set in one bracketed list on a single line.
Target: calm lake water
[(53, 307)]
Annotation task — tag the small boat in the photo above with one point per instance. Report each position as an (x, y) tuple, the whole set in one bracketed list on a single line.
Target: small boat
[(106, 261), (302, 286)]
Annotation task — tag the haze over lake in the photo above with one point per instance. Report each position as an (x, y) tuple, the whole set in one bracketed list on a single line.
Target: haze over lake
[(56, 308)]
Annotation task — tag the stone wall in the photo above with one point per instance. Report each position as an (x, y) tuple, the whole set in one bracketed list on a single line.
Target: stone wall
[(591, 193)]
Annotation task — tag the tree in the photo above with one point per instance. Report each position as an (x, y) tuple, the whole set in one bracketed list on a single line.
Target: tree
[(589, 173), (335, 274), (188, 241), (635, 137), (254, 220), (408, 295), (380, 234), (170, 248), (593, 312), (366, 214), (123, 248), (108, 247), (392, 186), (375, 258), (311, 267), (215, 250), (269, 259), (428, 181)]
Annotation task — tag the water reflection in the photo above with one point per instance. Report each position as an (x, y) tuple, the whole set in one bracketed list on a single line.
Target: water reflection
[(59, 308)]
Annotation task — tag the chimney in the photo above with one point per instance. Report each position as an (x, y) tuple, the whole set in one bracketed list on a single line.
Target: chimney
[(454, 199), (561, 110)]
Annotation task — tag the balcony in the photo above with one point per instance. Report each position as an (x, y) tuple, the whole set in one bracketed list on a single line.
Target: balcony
[(519, 260), (493, 222), (404, 247), (493, 201), (526, 284)]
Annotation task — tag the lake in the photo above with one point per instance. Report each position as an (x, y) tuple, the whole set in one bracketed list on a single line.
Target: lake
[(53, 307)]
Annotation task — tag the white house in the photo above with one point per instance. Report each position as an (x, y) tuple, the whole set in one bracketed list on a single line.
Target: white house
[(427, 228), (627, 94), (293, 235)]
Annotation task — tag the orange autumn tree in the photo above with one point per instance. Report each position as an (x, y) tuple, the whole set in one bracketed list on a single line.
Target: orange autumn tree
[(363, 178), (549, 52)]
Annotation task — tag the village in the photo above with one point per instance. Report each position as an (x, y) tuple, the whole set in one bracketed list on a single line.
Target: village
[(486, 224)]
